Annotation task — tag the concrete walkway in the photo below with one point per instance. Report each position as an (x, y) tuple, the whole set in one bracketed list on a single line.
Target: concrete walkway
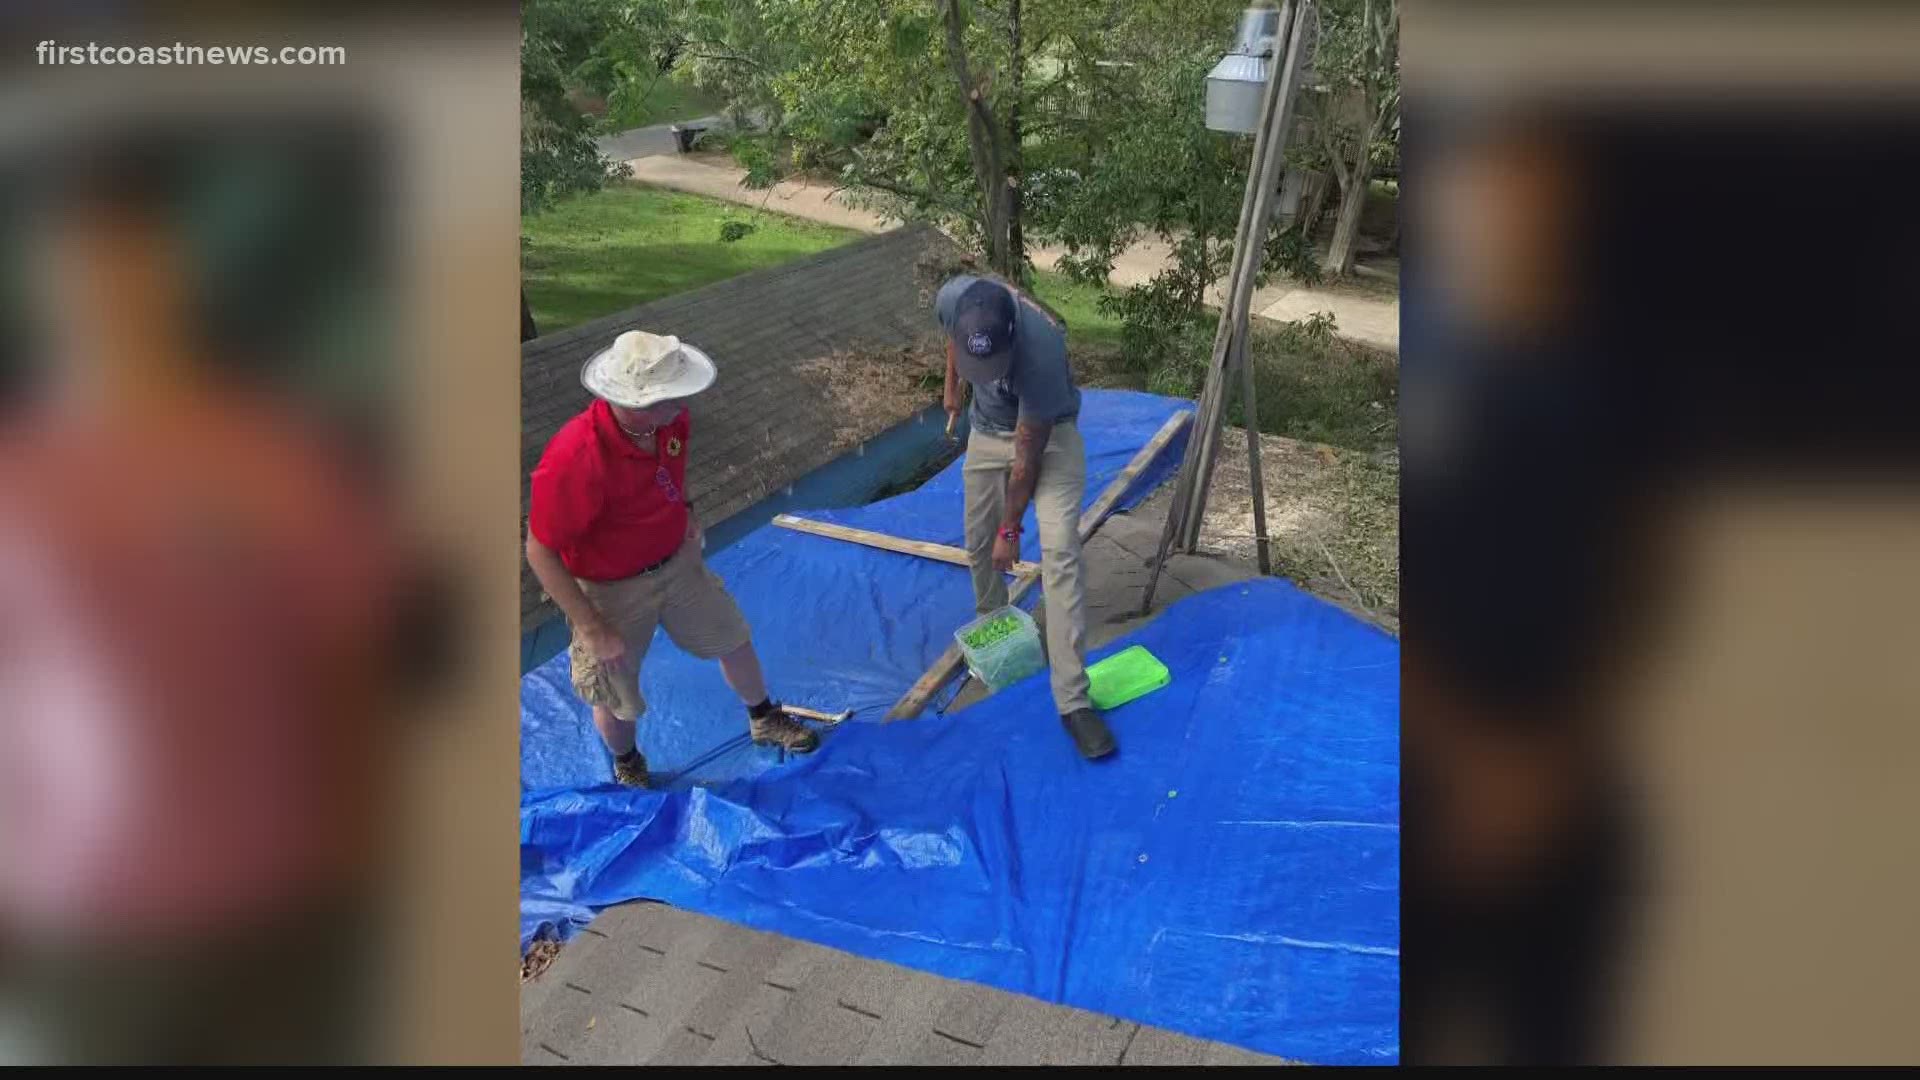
[(1356, 318), (1364, 319), (815, 202), (647, 141)]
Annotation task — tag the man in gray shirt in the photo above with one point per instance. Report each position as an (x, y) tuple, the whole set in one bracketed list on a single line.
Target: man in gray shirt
[(1025, 448)]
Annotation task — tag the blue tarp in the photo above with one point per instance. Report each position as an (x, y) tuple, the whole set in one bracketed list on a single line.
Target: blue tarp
[(1233, 873)]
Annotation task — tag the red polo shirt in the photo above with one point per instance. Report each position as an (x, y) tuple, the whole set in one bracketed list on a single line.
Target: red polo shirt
[(600, 501)]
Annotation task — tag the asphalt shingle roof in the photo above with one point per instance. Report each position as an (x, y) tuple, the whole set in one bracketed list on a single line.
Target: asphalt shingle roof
[(648, 984)]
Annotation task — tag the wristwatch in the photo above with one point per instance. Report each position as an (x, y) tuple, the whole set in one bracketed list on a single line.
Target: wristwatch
[(1009, 532)]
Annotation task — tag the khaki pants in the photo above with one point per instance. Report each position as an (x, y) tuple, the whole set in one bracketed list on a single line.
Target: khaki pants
[(683, 596), (1056, 502)]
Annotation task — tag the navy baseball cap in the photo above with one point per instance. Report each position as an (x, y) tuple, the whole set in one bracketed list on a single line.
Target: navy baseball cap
[(982, 331)]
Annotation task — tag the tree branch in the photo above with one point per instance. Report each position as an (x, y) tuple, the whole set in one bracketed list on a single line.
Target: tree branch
[(1057, 123), (932, 175), (927, 197), (1016, 142), (890, 187), (1323, 129), (651, 83), (726, 58), (983, 140)]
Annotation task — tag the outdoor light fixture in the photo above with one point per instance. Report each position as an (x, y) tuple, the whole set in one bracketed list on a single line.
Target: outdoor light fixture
[(1234, 84)]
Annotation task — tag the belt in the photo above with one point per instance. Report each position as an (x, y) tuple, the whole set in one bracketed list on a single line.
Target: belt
[(642, 572), (1065, 421), (661, 565)]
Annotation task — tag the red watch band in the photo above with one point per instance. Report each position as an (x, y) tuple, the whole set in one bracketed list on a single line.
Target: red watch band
[(1009, 532)]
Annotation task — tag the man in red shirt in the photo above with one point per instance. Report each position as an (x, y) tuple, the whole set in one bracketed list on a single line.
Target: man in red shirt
[(613, 540)]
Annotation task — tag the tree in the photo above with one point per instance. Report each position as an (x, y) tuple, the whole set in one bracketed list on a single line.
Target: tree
[(1071, 122), (1150, 167), (619, 49), (860, 106), (728, 50), (988, 142), (629, 47), (1359, 56), (846, 86), (558, 154)]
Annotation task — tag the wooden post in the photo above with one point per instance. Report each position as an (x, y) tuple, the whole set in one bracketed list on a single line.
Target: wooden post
[(1196, 470), (1256, 479), (1266, 180), (1207, 422)]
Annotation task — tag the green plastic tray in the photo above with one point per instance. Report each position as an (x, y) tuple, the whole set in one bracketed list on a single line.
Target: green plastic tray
[(1126, 675)]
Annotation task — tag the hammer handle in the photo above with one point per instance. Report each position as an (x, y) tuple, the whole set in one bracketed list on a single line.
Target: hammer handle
[(814, 714)]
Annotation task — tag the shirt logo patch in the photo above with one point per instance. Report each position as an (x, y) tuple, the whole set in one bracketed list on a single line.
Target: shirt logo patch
[(979, 344), (673, 446)]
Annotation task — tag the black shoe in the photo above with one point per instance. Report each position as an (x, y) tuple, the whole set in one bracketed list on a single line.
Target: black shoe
[(1089, 733)]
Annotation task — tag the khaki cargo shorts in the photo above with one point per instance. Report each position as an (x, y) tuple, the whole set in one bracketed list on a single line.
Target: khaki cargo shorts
[(685, 597)]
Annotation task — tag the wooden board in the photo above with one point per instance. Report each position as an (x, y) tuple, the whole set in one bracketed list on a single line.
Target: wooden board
[(926, 550), (944, 669)]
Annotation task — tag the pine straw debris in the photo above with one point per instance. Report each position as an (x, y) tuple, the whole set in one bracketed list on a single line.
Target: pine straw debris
[(1333, 518), (539, 958), (875, 389)]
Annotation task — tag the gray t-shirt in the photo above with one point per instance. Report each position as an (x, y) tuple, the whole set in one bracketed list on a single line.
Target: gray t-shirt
[(1039, 385)]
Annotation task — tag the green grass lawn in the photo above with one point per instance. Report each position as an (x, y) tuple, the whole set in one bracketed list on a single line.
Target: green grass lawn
[(1080, 306), (598, 254), (1324, 391)]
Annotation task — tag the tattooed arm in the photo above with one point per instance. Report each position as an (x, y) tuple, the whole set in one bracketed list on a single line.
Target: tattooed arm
[(1029, 442)]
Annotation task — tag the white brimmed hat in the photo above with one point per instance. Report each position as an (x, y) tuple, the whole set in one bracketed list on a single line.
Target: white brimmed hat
[(640, 369)]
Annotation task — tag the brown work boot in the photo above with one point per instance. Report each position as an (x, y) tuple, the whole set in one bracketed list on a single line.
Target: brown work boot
[(631, 770), (777, 728)]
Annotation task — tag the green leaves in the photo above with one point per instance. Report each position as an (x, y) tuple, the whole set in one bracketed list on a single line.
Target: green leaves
[(910, 33), (568, 45), (755, 153)]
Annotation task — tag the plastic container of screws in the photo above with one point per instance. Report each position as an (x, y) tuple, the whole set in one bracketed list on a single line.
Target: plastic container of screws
[(1002, 647)]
